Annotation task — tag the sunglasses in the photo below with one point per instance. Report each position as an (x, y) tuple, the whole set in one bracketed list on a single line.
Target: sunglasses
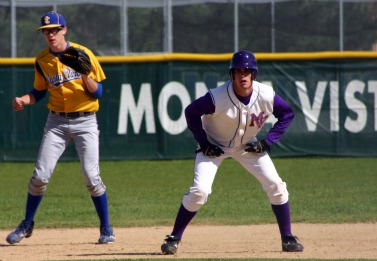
[(52, 31)]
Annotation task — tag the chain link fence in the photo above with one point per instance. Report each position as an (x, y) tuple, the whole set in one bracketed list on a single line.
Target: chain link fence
[(128, 27)]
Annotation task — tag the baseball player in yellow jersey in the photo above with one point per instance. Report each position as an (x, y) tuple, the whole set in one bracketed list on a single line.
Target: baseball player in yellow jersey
[(73, 103)]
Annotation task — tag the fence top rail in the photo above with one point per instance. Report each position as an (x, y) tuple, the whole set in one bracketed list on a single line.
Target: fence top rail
[(147, 3), (213, 57)]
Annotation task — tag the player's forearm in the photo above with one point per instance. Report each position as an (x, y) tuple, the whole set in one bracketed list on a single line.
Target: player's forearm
[(19, 102), (28, 99), (90, 84), (194, 112), (284, 113), (278, 130), (95, 88)]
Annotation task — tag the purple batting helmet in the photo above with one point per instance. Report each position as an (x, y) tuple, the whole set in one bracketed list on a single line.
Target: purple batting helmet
[(243, 59)]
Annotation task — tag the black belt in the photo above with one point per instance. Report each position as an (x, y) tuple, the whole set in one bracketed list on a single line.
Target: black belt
[(71, 114)]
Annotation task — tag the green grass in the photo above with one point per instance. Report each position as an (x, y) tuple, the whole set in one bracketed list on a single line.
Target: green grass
[(148, 193)]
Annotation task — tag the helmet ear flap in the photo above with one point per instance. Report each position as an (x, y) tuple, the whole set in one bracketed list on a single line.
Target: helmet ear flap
[(254, 74), (231, 74)]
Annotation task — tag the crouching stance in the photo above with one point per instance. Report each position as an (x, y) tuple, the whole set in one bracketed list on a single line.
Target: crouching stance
[(225, 122)]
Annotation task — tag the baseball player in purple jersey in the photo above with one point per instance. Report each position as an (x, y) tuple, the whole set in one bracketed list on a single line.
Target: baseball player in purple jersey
[(225, 122), (73, 103)]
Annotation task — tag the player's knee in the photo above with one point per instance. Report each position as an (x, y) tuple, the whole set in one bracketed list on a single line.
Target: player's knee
[(277, 193), (37, 186), (195, 198), (97, 189)]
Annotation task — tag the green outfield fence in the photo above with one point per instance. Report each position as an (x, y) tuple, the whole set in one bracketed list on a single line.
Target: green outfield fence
[(333, 95)]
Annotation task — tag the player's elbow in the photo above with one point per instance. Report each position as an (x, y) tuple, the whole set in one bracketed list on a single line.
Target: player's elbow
[(98, 93)]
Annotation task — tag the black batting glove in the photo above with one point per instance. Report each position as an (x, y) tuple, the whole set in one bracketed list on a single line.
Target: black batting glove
[(257, 147), (211, 151)]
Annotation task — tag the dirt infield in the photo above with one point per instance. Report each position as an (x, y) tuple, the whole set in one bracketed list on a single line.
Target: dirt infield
[(322, 241)]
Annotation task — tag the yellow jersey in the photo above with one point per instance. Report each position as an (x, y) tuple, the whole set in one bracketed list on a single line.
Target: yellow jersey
[(66, 87)]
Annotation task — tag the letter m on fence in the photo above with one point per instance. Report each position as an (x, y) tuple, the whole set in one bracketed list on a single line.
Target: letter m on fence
[(144, 106)]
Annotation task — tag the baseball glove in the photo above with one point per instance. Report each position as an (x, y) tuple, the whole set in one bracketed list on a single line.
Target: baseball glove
[(257, 147), (77, 59), (210, 150)]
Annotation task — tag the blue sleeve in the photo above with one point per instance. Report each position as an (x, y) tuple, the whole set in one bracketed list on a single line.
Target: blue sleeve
[(38, 95), (98, 93)]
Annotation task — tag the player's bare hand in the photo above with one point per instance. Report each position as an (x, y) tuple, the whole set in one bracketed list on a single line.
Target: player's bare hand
[(18, 104)]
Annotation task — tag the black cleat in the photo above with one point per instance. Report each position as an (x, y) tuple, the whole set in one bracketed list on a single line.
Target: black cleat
[(170, 246), (290, 243)]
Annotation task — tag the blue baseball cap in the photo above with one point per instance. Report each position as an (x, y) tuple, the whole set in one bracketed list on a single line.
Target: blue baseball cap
[(51, 20)]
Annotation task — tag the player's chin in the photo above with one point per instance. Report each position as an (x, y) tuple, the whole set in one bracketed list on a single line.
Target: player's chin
[(246, 85)]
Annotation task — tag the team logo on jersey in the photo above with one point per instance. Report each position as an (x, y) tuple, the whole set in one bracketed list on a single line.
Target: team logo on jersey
[(46, 19), (67, 76), (258, 120)]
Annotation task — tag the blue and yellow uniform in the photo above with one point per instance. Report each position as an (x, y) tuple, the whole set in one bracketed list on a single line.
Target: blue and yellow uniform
[(66, 87), (73, 103)]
